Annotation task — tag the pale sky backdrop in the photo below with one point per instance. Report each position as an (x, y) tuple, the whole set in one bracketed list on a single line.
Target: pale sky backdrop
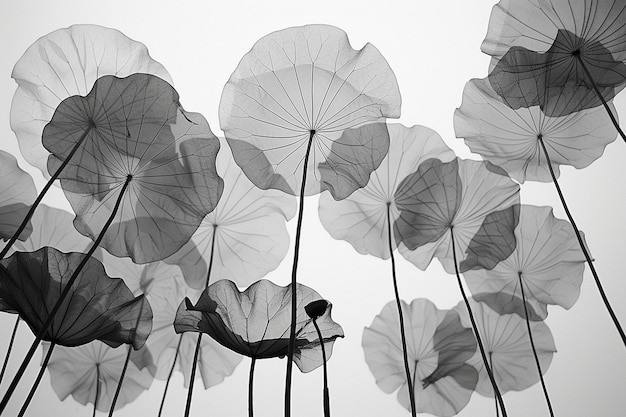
[(434, 49)]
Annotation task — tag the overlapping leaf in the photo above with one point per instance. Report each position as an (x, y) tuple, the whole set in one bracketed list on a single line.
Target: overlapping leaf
[(135, 134), (554, 53), (508, 348), (306, 86), (438, 348), (65, 63), (547, 259), (97, 307), (256, 322), (361, 218), (509, 138), (445, 198)]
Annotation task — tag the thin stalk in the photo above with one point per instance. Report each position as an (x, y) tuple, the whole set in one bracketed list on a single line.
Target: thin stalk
[(8, 354), (250, 388), (169, 375), (405, 356), (325, 367), (532, 344), (37, 381), (43, 192), (596, 278), (292, 330), (95, 402), (494, 397), (475, 327), (57, 306), (197, 351), (119, 384), (597, 91)]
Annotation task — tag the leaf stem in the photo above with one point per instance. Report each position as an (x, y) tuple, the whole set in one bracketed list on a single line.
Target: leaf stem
[(119, 384), (401, 317), (95, 401), (169, 375), (532, 344), (198, 343), (292, 330), (475, 327), (325, 367), (250, 388), (10, 347), (57, 306), (582, 245), (37, 381)]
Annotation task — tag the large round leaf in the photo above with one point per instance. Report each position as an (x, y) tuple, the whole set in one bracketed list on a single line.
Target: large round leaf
[(554, 53), (135, 133), (307, 84), (65, 63), (437, 348), (509, 138)]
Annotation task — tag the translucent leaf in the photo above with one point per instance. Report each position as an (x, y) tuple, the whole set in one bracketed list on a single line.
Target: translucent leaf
[(361, 218), (77, 371), (443, 197), (17, 194), (134, 130), (251, 238), (508, 348), (548, 258), (307, 83), (97, 307), (508, 137), (256, 322), (540, 48), (437, 348), (65, 63)]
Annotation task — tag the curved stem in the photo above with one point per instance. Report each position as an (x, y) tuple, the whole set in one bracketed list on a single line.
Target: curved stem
[(193, 375), (169, 375), (119, 384), (475, 327), (43, 192), (401, 317), (95, 402), (292, 330), (583, 247), (250, 388), (8, 354), (325, 366), (37, 381), (57, 306), (597, 91), (197, 351), (532, 344)]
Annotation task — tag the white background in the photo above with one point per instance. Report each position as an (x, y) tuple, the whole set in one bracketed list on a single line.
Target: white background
[(433, 48)]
